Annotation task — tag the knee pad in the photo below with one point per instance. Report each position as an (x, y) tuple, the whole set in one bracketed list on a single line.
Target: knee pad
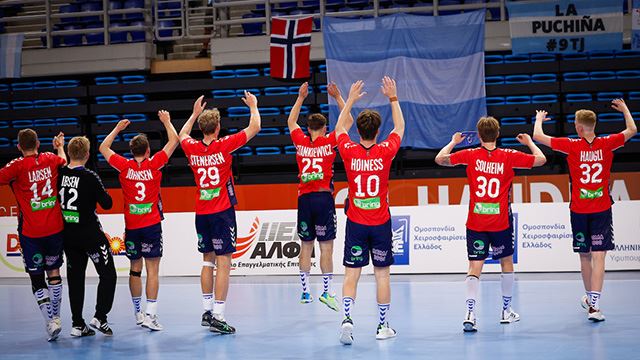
[(135, 273), (37, 282), (54, 280), (208, 264)]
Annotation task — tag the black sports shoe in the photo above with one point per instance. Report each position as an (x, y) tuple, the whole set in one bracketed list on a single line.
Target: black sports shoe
[(101, 326), (81, 331), (206, 318), (221, 326)]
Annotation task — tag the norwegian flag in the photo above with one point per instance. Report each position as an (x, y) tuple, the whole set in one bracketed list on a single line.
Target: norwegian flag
[(290, 47)]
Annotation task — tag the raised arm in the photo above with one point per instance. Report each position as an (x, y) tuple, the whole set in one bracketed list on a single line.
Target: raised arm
[(198, 108), (292, 122), (631, 129), (540, 159), (254, 121), (443, 157), (105, 147), (172, 142), (58, 145), (334, 92), (538, 132), (355, 94), (389, 90)]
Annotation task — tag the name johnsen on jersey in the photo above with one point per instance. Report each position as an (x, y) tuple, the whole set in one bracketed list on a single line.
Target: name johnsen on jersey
[(143, 175), (591, 156), (208, 160), (321, 151), (489, 167), (39, 175), (367, 164)]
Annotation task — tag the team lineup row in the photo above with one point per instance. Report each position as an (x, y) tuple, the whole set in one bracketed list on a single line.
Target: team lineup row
[(57, 202)]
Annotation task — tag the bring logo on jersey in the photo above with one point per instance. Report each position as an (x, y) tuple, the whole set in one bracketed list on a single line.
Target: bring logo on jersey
[(315, 161)]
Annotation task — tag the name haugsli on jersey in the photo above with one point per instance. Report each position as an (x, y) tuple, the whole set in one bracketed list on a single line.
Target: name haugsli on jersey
[(591, 156)]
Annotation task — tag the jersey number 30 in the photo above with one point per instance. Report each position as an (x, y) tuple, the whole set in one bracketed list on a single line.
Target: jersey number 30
[(490, 187)]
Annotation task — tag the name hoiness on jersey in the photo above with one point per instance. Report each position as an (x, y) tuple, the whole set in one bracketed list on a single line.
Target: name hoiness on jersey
[(367, 164), (206, 160)]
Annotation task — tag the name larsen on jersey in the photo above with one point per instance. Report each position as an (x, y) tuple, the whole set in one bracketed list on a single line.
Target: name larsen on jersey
[(321, 151), (208, 160), (39, 175), (591, 156), (143, 175), (367, 164), (489, 167), (70, 181)]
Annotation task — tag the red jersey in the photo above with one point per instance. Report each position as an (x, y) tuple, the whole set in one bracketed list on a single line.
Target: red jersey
[(490, 174), (589, 170), (368, 177), (140, 184), (211, 165), (315, 161), (34, 181)]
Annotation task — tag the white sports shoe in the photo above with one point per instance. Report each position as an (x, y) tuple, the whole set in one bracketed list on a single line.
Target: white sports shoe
[(151, 323), (585, 302), (469, 323), (595, 315), (139, 318), (509, 316), (53, 329), (385, 332), (346, 332)]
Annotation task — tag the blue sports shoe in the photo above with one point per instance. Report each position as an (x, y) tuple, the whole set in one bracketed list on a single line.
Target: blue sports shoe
[(306, 298)]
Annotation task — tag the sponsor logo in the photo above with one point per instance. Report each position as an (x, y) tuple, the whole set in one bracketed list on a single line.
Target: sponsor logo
[(140, 209), (95, 257), (131, 248), (47, 203), (487, 208), (591, 194), (37, 259), (209, 194), (579, 242), (303, 230), (71, 217), (308, 177), (367, 204), (400, 226), (356, 254), (146, 247), (597, 240)]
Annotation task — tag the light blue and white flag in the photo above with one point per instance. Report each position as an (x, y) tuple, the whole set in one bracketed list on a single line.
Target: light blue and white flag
[(635, 25), (11, 55), (565, 26), (437, 62)]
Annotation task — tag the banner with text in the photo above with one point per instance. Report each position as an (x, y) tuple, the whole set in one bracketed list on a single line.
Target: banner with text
[(426, 239), (565, 26)]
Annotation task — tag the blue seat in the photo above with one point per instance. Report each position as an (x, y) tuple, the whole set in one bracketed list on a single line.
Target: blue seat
[(4, 87), (19, 105), (634, 95), (579, 97), (223, 74), (541, 78), (67, 102), (18, 124), (627, 53), (239, 111), (106, 80), (513, 120), (247, 72), (570, 117), (4, 124), (276, 91), (494, 80), (602, 75), (266, 71), (609, 95), (135, 117), (517, 79), (138, 35), (323, 89), (244, 151), (100, 138), (4, 105), (101, 158), (610, 117), (304, 110), (493, 59), (127, 137), (44, 122), (324, 108), (73, 40), (268, 150), (67, 121), (67, 83), (495, 100), (543, 57), (516, 59), (550, 121), (310, 5), (165, 28), (134, 98), (269, 132), (44, 103), (518, 99), (293, 90), (574, 56), (44, 85), (509, 141), (269, 111), (601, 55), (96, 37), (544, 98), (252, 29), (290, 149), (107, 100), (575, 76), (628, 74), (107, 119), (22, 86), (636, 138), (117, 36), (133, 79), (223, 94), (5, 142), (322, 68)]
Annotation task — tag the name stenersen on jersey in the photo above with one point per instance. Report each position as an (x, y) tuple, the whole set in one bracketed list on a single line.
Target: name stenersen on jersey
[(207, 160), (321, 151), (489, 167), (39, 175), (367, 164)]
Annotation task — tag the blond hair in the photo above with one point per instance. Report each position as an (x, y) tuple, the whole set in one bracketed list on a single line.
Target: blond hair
[(586, 118), (208, 121), (78, 148)]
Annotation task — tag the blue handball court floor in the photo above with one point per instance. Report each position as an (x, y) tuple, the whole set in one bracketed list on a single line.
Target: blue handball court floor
[(427, 311)]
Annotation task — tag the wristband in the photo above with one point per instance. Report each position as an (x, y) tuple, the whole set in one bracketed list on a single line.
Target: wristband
[(393, 98)]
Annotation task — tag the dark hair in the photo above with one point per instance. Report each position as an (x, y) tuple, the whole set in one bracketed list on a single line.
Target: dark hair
[(316, 121), (368, 123), (27, 139), (488, 129), (139, 145)]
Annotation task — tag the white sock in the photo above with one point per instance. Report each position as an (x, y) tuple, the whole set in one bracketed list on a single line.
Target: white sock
[(507, 289), (326, 282), (218, 309), (44, 303), (136, 300), (152, 307), (472, 283), (303, 279), (55, 291), (207, 302), (347, 304), (595, 299)]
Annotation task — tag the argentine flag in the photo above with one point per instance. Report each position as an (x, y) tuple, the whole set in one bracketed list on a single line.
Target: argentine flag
[(437, 62)]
